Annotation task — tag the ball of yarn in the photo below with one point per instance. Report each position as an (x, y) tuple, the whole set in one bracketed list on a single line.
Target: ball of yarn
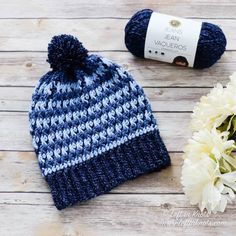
[(66, 53), (211, 43)]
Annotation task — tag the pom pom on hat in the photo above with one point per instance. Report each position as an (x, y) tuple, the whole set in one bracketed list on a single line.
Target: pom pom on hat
[(66, 53)]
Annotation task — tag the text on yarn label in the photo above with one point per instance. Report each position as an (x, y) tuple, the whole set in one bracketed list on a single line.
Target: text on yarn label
[(172, 39)]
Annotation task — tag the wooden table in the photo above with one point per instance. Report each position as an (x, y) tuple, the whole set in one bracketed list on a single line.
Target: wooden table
[(153, 204)]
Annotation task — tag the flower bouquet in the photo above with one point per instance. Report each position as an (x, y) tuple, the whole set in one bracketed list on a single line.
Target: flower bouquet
[(209, 169)]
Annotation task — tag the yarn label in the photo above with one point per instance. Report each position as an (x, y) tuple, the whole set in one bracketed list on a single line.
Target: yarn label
[(172, 39)]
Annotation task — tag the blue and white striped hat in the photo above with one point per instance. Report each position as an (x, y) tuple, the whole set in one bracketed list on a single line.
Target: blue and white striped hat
[(92, 125)]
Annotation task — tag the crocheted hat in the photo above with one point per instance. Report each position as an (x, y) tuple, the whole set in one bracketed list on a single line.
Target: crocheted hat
[(91, 124)]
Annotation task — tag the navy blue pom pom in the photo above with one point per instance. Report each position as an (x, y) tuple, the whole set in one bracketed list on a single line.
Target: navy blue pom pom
[(211, 43), (66, 53)]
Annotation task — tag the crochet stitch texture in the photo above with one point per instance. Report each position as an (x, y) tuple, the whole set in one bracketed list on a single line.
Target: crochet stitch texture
[(92, 126)]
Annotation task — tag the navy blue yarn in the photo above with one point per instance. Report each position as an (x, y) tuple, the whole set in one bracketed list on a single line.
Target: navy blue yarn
[(66, 52), (211, 44)]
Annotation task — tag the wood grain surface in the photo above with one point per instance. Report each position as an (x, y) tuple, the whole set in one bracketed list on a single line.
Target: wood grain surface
[(152, 204)]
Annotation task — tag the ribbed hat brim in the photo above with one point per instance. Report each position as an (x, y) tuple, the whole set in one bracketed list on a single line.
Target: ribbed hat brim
[(99, 175)]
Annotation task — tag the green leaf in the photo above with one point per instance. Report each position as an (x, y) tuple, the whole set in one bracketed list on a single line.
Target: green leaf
[(226, 124), (230, 122), (234, 123), (223, 127)]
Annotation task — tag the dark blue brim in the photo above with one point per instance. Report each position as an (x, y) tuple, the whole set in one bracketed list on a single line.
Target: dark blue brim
[(100, 174)]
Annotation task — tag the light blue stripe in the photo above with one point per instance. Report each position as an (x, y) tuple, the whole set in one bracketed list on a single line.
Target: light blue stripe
[(99, 151)]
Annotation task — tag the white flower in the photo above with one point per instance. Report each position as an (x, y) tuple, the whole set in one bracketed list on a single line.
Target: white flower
[(215, 107), (207, 153), (208, 143), (209, 169), (204, 184)]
